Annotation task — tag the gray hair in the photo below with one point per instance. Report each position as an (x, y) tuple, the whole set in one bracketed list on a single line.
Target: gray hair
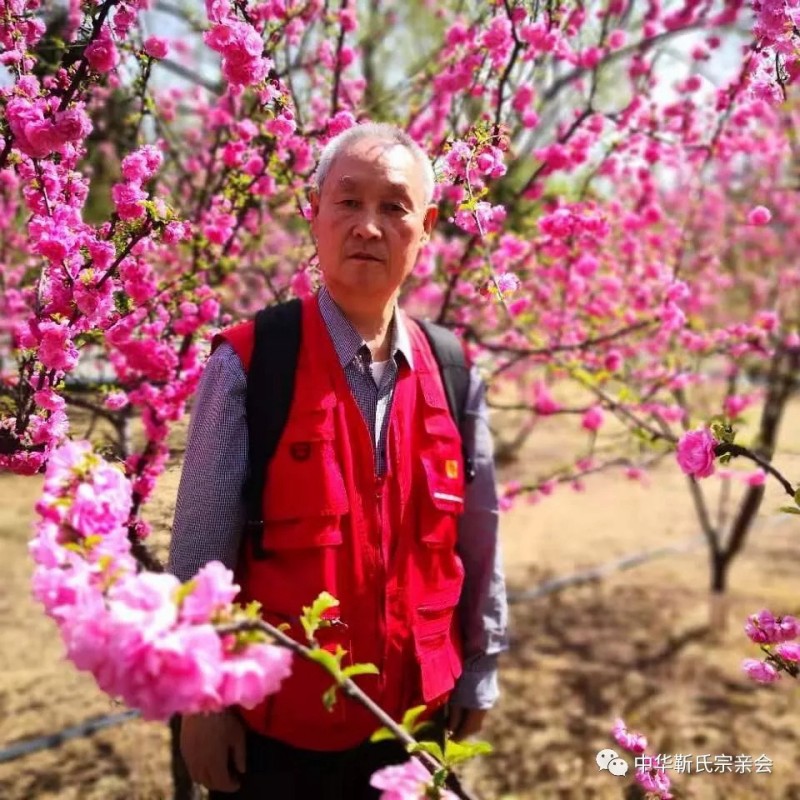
[(384, 132)]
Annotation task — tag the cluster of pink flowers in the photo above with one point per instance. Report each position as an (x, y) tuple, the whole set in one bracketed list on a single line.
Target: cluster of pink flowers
[(408, 781), (242, 48), (651, 775), (776, 26), (777, 636), (144, 637), (39, 127)]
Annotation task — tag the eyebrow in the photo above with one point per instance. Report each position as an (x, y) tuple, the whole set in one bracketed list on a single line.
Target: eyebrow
[(396, 189)]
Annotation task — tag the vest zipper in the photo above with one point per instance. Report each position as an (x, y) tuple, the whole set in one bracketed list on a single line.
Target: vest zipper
[(380, 481)]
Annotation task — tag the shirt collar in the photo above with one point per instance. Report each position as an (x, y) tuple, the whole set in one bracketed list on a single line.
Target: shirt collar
[(347, 341)]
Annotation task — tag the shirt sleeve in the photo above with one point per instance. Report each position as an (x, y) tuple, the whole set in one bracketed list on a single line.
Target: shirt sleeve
[(210, 511), (483, 608)]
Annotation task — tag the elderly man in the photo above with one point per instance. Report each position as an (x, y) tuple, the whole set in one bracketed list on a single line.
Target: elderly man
[(365, 497)]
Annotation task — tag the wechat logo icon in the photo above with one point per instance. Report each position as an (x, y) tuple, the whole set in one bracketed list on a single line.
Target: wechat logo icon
[(610, 760)]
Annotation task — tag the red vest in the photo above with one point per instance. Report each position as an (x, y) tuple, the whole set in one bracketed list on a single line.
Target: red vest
[(384, 547)]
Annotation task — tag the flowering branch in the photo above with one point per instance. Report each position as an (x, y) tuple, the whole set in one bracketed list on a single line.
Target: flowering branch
[(735, 450), (346, 685)]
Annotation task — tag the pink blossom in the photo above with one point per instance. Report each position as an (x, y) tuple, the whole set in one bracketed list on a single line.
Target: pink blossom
[(617, 38), (340, 122), (47, 398), (756, 478), (789, 651), (734, 404), (211, 589), (407, 781), (156, 47), (632, 742), (253, 673), (760, 671), (56, 349), (102, 53), (116, 400), (613, 361), (655, 780), (695, 453), (142, 164), (128, 200), (71, 456), (507, 283), (301, 283), (103, 505), (760, 215), (484, 218), (765, 628), (243, 70), (543, 401), (593, 419)]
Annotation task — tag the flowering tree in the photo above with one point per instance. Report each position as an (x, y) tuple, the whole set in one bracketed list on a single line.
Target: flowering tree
[(595, 212)]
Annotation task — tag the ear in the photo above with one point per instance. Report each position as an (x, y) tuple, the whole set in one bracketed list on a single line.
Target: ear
[(428, 224), (313, 199)]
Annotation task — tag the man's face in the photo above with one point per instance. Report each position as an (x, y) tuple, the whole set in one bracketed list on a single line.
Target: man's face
[(370, 220)]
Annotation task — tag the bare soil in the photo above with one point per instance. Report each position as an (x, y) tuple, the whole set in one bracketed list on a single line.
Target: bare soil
[(635, 645)]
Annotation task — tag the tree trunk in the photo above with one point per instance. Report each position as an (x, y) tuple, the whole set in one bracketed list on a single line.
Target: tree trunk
[(781, 384), (718, 600)]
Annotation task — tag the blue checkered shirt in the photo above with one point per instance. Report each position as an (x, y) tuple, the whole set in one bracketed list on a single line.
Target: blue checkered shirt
[(210, 512)]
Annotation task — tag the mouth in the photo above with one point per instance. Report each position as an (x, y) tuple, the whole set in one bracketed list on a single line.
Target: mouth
[(365, 257)]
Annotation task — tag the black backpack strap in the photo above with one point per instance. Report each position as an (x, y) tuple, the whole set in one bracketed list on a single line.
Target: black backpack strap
[(455, 373), (270, 388)]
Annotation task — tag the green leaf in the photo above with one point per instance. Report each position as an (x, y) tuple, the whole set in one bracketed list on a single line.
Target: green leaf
[(360, 669), (328, 660), (252, 609), (411, 716), (456, 752), (382, 735), (797, 497), (184, 590), (789, 509), (440, 778), (432, 748), (312, 615), (329, 697)]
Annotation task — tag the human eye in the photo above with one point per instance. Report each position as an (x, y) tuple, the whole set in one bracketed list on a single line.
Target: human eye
[(348, 202), (394, 207)]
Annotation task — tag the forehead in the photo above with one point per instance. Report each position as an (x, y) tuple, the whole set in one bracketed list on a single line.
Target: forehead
[(374, 163)]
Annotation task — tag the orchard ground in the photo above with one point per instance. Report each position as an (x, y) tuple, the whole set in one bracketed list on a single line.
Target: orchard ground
[(635, 645)]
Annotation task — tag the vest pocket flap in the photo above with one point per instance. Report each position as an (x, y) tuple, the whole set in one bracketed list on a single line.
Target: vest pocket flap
[(298, 534), (435, 617)]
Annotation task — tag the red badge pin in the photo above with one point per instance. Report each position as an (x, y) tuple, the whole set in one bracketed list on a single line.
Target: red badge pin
[(300, 451)]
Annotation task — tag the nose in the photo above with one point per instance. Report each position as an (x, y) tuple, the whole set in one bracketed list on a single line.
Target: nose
[(366, 226)]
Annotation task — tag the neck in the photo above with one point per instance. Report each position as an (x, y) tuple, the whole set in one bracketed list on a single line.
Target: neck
[(373, 322)]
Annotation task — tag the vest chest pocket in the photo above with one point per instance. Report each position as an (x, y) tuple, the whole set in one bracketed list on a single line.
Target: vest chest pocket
[(305, 509), (304, 478), (443, 500)]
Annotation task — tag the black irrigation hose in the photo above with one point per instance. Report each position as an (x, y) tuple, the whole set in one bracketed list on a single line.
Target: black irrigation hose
[(601, 571), (25, 747), (617, 565)]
